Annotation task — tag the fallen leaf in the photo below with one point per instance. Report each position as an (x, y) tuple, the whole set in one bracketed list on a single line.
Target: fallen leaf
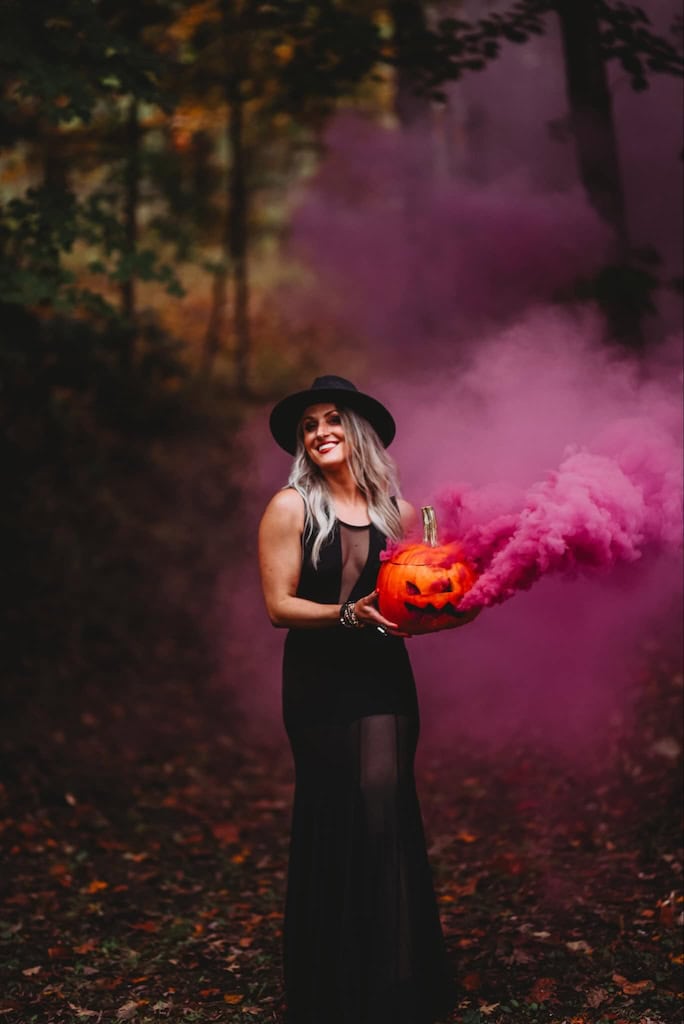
[(632, 988), (127, 1011), (542, 990), (31, 971), (97, 885), (232, 1000), (488, 1008), (86, 947), (580, 947), (596, 996), (57, 952), (226, 833), (471, 982), (466, 837), (667, 747)]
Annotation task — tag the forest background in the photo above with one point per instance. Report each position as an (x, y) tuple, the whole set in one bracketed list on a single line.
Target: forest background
[(177, 184)]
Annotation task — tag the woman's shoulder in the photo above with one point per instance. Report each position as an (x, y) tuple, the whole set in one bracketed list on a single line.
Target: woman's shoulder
[(287, 504), (409, 516)]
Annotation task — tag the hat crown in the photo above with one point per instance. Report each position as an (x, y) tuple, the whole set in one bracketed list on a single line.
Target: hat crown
[(331, 381)]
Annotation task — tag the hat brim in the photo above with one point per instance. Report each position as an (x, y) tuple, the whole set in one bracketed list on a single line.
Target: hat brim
[(288, 412)]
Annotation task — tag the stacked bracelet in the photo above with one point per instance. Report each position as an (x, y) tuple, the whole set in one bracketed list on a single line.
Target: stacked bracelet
[(348, 617)]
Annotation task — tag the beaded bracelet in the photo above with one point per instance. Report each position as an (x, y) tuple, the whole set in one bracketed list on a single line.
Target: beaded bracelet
[(348, 617)]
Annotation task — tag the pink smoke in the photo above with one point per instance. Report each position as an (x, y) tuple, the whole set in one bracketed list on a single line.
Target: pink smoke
[(468, 253), (599, 508)]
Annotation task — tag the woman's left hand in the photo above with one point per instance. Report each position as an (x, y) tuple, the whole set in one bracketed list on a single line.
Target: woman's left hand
[(367, 612)]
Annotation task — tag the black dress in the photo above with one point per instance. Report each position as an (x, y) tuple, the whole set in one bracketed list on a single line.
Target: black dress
[(362, 938)]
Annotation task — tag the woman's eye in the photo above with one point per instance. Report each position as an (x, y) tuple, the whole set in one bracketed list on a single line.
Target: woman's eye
[(309, 426), (335, 420)]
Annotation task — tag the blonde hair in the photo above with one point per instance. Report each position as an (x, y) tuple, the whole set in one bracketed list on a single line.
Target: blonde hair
[(373, 471)]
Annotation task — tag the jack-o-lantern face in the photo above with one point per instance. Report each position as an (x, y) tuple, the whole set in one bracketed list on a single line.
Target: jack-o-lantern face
[(420, 587)]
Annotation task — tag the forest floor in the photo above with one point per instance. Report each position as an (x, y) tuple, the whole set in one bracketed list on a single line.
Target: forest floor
[(144, 873)]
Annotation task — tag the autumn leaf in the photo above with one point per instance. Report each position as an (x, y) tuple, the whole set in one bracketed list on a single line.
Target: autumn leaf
[(97, 885), (632, 988), (542, 990), (145, 926), (226, 833), (580, 946), (57, 952), (596, 996), (86, 947), (233, 999), (127, 1012), (471, 982), (466, 837)]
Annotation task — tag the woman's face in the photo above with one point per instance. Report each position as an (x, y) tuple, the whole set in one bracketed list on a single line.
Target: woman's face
[(323, 435)]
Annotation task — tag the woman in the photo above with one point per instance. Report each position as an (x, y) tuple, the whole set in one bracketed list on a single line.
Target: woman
[(362, 938)]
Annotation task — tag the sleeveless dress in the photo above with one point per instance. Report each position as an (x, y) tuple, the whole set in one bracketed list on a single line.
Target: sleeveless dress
[(362, 937)]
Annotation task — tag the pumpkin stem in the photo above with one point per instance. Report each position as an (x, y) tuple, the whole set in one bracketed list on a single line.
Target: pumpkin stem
[(429, 526)]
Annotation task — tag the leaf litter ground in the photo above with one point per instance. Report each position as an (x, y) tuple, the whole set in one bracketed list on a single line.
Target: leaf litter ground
[(143, 873)]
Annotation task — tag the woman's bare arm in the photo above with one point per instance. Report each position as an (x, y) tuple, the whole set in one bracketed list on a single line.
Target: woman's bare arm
[(280, 558), (409, 518)]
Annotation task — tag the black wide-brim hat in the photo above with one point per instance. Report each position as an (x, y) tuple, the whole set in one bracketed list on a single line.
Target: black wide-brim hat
[(288, 412)]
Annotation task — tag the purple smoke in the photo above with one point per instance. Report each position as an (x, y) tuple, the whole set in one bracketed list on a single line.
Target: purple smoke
[(613, 504)]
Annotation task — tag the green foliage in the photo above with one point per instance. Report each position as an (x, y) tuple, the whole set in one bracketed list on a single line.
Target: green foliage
[(38, 230), (459, 46), (333, 48), (65, 59)]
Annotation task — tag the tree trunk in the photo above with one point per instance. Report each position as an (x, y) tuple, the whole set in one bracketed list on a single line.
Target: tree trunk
[(219, 292), (591, 112), (234, 265), (593, 126), (131, 200), (414, 113), (238, 240), (408, 18)]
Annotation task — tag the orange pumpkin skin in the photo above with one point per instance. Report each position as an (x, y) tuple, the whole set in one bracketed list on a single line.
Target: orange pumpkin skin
[(420, 587)]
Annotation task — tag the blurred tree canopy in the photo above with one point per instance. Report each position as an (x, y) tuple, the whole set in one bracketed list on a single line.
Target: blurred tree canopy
[(147, 152)]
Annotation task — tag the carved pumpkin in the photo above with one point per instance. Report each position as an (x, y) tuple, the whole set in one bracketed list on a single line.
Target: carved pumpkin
[(420, 585)]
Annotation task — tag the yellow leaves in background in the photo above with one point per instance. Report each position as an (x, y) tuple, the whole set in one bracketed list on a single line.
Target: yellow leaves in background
[(190, 118), (191, 18)]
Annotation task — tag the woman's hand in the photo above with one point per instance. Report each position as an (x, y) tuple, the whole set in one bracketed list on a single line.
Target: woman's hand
[(366, 610)]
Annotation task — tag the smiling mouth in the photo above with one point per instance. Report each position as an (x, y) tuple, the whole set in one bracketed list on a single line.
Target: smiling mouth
[(327, 447)]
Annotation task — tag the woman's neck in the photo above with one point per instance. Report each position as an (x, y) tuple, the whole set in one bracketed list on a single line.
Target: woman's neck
[(349, 503)]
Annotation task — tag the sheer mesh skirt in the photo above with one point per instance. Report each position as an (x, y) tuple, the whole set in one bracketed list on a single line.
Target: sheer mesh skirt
[(362, 939)]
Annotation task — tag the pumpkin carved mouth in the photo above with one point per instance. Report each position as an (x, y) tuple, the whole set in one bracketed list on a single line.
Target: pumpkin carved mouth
[(431, 609)]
